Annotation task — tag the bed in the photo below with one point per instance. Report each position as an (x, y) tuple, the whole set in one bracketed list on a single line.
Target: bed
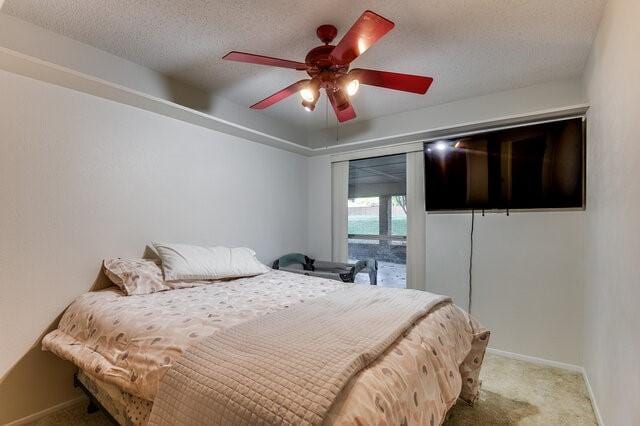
[(125, 345)]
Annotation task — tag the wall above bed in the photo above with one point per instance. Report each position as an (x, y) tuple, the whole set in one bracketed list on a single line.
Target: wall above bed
[(87, 178)]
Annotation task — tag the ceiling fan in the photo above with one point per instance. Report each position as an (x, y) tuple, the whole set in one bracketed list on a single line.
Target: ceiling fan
[(328, 67)]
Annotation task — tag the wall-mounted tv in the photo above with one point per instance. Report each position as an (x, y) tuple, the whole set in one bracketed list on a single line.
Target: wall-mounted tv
[(537, 166)]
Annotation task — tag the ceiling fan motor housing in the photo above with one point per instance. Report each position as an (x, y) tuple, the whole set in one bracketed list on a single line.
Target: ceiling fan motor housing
[(318, 59)]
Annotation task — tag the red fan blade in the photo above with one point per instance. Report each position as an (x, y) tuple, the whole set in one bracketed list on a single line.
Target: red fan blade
[(368, 29), (347, 112), (393, 80), (277, 97), (264, 60)]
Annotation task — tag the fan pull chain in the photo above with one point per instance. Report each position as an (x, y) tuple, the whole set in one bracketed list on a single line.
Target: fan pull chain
[(326, 118)]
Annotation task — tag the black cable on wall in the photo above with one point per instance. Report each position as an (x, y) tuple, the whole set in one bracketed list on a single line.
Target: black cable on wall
[(473, 215)]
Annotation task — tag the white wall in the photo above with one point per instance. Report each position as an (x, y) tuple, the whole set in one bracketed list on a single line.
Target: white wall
[(82, 178), (319, 207), (612, 339), (527, 277)]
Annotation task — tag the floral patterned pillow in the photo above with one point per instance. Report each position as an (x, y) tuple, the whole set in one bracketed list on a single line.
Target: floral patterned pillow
[(135, 276)]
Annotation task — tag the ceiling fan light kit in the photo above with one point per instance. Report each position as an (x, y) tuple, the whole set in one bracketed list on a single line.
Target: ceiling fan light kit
[(311, 90), (328, 67), (352, 86), (310, 105)]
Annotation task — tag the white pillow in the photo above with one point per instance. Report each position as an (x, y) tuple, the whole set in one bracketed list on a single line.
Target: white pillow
[(182, 262)]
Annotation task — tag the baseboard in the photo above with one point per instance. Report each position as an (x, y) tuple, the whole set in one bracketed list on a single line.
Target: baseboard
[(592, 397), (48, 411), (535, 360), (556, 364)]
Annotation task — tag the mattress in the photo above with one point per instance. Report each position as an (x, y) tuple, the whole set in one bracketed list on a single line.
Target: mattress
[(129, 343)]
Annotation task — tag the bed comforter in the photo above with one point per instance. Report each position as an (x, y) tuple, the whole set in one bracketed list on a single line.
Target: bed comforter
[(132, 341)]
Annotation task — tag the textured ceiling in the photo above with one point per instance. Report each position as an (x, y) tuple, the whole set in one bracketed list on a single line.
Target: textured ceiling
[(470, 47)]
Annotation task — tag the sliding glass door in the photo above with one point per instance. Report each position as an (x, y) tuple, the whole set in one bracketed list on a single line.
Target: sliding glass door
[(377, 216)]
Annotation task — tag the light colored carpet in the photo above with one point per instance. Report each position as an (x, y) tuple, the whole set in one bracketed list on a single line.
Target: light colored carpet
[(513, 393), (520, 393)]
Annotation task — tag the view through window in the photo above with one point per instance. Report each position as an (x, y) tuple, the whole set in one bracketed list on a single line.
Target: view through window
[(377, 221)]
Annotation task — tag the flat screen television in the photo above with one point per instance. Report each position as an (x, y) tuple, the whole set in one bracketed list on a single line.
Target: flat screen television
[(538, 166)]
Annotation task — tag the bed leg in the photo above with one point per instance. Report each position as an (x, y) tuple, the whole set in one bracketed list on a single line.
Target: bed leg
[(92, 407)]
